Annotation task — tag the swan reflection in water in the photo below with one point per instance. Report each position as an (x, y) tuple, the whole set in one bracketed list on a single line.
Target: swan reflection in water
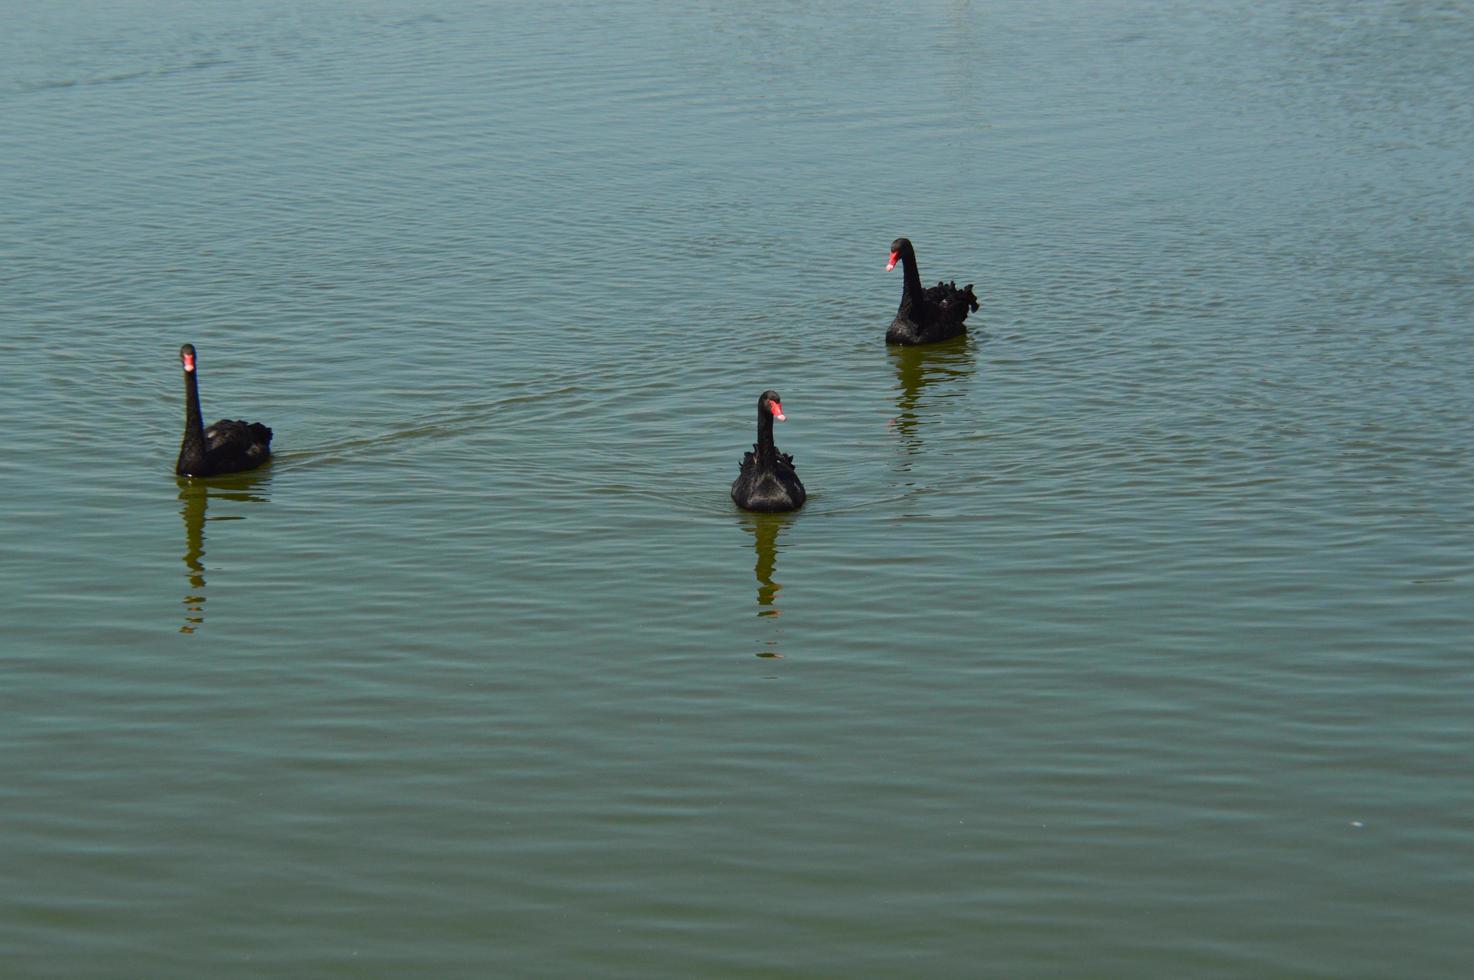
[(765, 529), (922, 367), (195, 497)]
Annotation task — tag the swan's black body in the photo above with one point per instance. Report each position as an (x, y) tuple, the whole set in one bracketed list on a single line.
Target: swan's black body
[(768, 482), (927, 316), (228, 446)]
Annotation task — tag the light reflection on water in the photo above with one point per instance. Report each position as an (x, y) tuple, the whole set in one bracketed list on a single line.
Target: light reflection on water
[(249, 488), (766, 530), (926, 376)]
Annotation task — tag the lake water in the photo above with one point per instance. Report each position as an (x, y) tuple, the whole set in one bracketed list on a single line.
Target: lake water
[(1128, 636)]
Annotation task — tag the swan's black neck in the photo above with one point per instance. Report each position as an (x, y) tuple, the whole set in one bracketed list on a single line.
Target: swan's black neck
[(192, 449), (767, 452), (911, 296)]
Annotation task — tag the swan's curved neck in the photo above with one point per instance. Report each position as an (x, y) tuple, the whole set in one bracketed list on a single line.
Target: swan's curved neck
[(767, 452), (192, 449), (912, 292)]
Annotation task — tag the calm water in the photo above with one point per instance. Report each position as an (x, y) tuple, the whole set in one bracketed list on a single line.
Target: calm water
[(1129, 636)]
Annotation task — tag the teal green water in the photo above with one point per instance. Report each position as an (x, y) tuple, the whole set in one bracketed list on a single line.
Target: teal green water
[(1129, 636)]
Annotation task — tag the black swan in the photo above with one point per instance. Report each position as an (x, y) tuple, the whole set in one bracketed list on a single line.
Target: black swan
[(225, 447), (768, 481), (926, 316)]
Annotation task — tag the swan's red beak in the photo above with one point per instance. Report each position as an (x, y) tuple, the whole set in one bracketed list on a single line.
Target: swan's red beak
[(188, 361), (777, 411), (892, 263)]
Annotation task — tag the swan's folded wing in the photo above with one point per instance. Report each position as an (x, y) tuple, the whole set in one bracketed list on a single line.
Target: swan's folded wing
[(237, 433), (953, 302), (938, 294)]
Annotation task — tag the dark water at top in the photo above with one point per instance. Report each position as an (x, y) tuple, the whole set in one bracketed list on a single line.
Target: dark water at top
[(1129, 636)]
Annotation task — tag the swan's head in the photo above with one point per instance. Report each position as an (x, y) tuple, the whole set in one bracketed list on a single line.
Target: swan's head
[(769, 401), (186, 357), (900, 249)]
